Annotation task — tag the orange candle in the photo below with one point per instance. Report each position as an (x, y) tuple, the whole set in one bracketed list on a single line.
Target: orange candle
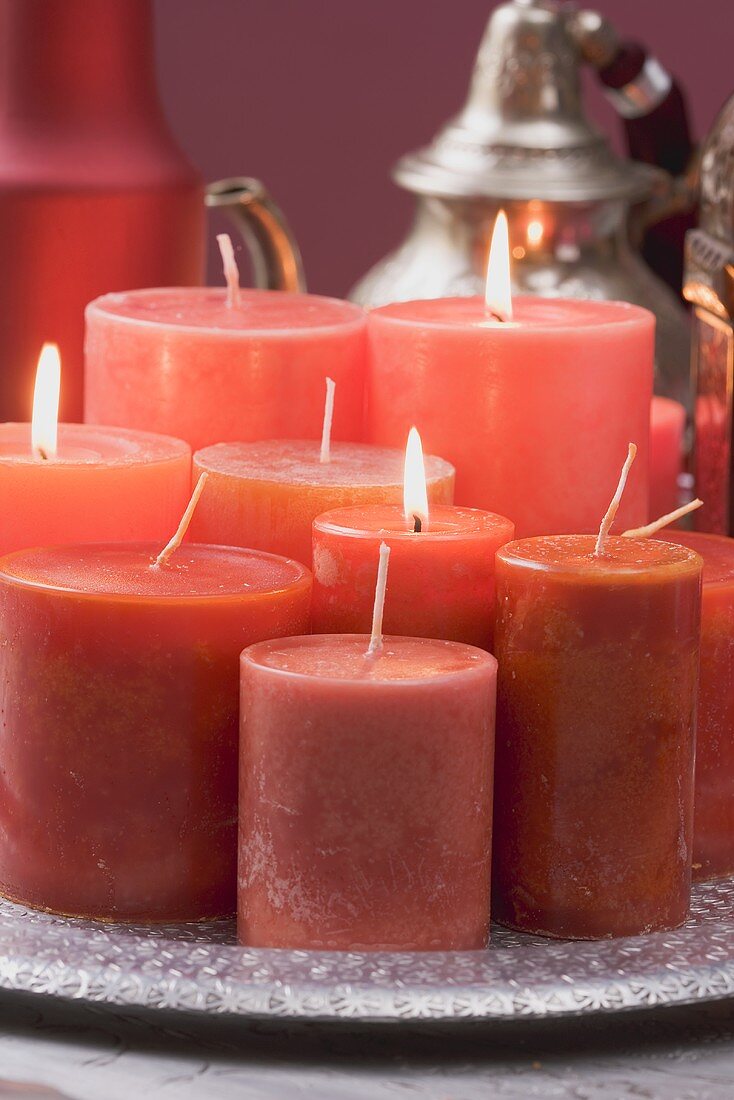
[(119, 682), (78, 483), (266, 495)]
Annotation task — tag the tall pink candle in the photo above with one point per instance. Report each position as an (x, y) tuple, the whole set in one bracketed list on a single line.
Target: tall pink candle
[(667, 423), (535, 413), (184, 362)]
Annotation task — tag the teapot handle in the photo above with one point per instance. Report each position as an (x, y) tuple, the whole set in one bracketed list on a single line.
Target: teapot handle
[(276, 257)]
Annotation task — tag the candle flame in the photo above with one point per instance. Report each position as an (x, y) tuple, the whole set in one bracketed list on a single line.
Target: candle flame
[(45, 420), (498, 292), (415, 494)]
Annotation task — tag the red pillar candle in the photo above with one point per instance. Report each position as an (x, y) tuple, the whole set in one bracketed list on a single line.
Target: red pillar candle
[(713, 820), (266, 495), (667, 423), (365, 794), (515, 405), (185, 362), (441, 578), (119, 686), (598, 658)]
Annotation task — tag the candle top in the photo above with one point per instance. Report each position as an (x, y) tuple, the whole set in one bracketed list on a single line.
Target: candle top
[(527, 313), (259, 311), (572, 557), (343, 658), (444, 522), (717, 552), (90, 445), (298, 462), (123, 571)]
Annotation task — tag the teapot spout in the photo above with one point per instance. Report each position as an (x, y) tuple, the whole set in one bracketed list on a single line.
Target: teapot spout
[(276, 257)]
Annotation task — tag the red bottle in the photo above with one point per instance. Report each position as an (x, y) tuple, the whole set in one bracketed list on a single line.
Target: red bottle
[(94, 193)]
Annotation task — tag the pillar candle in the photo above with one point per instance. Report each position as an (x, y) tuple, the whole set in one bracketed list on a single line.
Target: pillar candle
[(441, 578), (180, 360), (266, 495), (365, 794), (119, 687), (532, 412), (713, 819), (103, 484), (598, 658), (667, 422)]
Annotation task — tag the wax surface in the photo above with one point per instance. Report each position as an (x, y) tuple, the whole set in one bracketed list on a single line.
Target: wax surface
[(267, 495), (119, 687), (713, 820), (365, 794), (106, 483), (535, 414), (179, 360), (598, 666), (441, 582), (667, 422)]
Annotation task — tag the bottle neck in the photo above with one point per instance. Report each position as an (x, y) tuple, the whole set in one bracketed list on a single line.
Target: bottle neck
[(71, 61)]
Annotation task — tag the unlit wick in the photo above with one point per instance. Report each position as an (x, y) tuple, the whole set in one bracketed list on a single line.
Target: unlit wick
[(183, 526), (379, 605), (611, 512), (231, 271), (657, 525), (325, 455)]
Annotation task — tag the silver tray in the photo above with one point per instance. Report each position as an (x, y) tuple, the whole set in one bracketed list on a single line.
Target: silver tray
[(199, 968)]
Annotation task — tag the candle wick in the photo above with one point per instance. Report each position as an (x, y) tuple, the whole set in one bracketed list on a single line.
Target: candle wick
[(325, 455), (183, 526), (611, 512), (417, 525), (231, 271), (658, 524), (496, 316), (42, 454), (378, 609)]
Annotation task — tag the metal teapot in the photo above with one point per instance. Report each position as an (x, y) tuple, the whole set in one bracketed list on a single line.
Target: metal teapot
[(523, 143)]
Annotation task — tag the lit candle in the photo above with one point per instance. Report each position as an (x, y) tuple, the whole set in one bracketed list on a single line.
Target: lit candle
[(213, 365), (63, 483), (267, 495), (365, 791), (119, 680), (442, 569), (597, 642), (516, 394)]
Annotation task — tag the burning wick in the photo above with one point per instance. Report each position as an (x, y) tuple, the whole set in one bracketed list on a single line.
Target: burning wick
[(658, 524), (183, 526), (611, 512), (415, 494), (378, 609), (325, 455), (498, 288), (45, 418), (231, 271)]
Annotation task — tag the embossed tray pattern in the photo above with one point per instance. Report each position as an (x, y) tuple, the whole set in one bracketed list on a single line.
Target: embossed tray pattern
[(199, 968)]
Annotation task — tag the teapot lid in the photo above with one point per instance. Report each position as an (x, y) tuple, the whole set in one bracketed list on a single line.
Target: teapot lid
[(522, 133)]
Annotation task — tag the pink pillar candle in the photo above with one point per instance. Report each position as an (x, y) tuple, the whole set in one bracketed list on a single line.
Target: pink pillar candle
[(266, 495), (667, 423), (534, 413), (365, 794), (180, 360), (105, 484), (441, 581)]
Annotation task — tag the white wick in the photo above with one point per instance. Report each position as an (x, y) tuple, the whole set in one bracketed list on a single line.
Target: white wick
[(379, 606), (657, 525), (183, 526), (325, 455), (231, 271), (608, 520)]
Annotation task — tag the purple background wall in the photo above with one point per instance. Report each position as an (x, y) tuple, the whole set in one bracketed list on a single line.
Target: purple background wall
[(319, 98)]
